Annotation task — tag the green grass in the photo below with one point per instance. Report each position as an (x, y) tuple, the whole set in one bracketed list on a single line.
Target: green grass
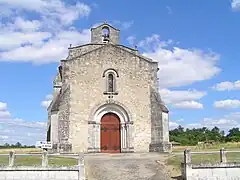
[(215, 147), (36, 161)]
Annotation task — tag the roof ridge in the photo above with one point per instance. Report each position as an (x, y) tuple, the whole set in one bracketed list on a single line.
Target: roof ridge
[(116, 46)]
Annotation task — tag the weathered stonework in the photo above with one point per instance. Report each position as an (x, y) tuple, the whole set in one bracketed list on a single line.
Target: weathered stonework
[(83, 99)]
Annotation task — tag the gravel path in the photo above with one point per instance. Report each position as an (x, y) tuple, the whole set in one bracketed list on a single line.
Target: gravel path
[(125, 167)]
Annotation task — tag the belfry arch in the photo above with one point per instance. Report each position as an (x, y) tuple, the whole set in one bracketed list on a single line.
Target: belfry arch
[(95, 124)]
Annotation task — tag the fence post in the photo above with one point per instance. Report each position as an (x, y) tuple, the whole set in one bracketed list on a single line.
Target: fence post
[(44, 158), (186, 164), (187, 156), (11, 158), (223, 157), (81, 173)]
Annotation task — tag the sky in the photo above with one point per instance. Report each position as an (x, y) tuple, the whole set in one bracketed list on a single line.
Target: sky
[(195, 42)]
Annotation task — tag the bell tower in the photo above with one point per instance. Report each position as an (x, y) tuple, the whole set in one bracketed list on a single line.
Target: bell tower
[(105, 33)]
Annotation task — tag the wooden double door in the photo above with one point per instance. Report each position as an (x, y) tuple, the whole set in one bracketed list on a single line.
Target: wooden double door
[(110, 133)]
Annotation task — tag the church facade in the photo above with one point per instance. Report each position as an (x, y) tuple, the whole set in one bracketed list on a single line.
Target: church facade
[(106, 99)]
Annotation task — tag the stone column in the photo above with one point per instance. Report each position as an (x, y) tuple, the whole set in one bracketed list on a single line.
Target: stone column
[(127, 136), (124, 136), (130, 131), (122, 143), (98, 137), (94, 137)]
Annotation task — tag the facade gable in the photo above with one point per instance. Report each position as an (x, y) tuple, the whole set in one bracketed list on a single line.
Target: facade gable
[(104, 84), (90, 48)]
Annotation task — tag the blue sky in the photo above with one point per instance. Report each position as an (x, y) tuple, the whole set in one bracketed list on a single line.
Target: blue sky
[(196, 45)]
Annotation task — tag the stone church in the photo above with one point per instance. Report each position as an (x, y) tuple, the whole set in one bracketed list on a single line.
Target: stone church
[(106, 99)]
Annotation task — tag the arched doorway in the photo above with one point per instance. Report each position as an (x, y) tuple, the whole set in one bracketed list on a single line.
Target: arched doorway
[(110, 133)]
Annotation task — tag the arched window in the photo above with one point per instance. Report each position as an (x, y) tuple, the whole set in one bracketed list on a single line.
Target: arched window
[(110, 82), (105, 34), (110, 76), (105, 31)]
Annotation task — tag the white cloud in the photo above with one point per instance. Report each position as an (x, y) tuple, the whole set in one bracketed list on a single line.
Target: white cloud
[(227, 86), (227, 104), (170, 96), (173, 125), (11, 40), (184, 99), (225, 123), (123, 24), (51, 51), (131, 40), (48, 99), (169, 9), (26, 25), (235, 4), (234, 115), (4, 114), (47, 37), (188, 105), (179, 66), (222, 123), (56, 10), (14, 130), (3, 106)]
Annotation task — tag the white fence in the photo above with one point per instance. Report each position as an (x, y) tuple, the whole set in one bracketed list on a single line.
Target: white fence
[(222, 170), (44, 171)]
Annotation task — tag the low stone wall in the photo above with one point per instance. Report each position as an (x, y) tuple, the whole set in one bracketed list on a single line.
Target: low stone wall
[(40, 173), (219, 171), (44, 172)]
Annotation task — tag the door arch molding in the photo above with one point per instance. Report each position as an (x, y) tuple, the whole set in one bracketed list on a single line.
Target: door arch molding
[(94, 126)]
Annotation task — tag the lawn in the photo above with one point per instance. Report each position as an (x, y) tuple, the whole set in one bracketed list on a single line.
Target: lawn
[(30, 160), (215, 147), (21, 150)]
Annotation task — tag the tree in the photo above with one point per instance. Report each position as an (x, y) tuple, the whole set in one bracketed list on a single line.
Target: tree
[(233, 135), (18, 145), (195, 135), (6, 145)]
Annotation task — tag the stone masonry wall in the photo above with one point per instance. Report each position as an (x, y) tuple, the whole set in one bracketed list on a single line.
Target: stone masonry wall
[(87, 87), (96, 35), (37, 174), (221, 172), (78, 51), (63, 120)]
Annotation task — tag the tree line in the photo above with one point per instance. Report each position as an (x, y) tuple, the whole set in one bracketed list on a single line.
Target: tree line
[(17, 145), (193, 136)]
